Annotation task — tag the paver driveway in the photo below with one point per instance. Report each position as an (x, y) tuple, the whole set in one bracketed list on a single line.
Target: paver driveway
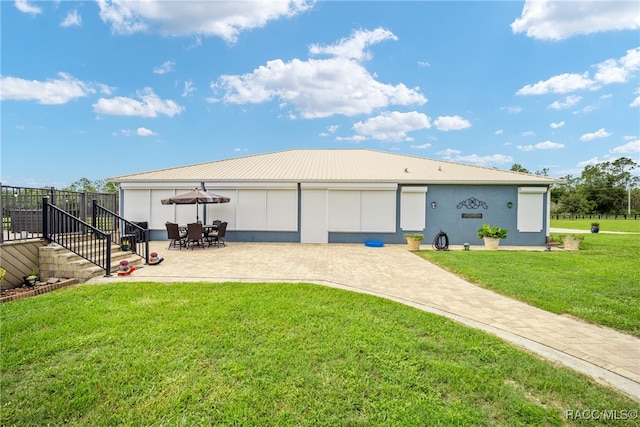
[(393, 272)]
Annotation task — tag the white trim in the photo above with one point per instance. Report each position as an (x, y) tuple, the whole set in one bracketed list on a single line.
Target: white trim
[(414, 189), (532, 190), (348, 186)]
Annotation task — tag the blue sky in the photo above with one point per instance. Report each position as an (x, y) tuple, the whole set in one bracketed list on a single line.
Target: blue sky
[(106, 88)]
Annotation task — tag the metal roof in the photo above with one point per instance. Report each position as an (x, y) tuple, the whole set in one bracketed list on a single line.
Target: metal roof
[(335, 165)]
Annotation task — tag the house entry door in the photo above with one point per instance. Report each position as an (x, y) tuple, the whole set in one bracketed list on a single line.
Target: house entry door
[(313, 216)]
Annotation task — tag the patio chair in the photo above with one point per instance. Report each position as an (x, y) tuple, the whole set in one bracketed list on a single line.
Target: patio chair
[(176, 237), (194, 234), (216, 237)]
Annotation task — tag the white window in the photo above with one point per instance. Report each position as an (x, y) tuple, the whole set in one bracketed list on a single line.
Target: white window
[(362, 211), (413, 208), (530, 209)]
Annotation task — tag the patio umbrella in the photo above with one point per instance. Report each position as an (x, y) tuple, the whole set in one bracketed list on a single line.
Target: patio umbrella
[(195, 197)]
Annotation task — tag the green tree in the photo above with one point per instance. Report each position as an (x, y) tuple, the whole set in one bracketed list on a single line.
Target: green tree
[(517, 167), (97, 186), (606, 184)]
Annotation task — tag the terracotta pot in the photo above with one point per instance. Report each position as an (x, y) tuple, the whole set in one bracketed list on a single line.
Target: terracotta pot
[(414, 245)]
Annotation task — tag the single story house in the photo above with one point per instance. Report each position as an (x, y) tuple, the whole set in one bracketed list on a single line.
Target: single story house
[(344, 196)]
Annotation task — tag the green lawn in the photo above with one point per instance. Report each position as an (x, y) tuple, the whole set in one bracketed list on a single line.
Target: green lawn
[(628, 225), (599, 283), (268, 354)]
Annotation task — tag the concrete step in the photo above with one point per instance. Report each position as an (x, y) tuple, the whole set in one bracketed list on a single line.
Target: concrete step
[(63, 263)]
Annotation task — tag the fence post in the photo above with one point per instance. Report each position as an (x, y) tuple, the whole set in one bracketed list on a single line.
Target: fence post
[(94, 204), (83, 206), (45, 217), (108, 260)]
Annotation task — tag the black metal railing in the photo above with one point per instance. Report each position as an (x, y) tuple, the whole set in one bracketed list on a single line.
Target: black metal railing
[(135, 234), (76, 235), (21, 208)]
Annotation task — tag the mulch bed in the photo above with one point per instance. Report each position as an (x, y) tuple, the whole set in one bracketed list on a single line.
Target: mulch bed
[(30, 291)]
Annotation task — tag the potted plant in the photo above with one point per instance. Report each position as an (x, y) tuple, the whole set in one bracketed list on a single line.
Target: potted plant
[(571, 242), (595, 227), (31, 279), (413, 240), (492, 235), (124, 244)]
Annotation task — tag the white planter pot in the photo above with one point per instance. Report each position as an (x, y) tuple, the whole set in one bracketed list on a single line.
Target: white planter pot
[(571, 243), (491, 243)]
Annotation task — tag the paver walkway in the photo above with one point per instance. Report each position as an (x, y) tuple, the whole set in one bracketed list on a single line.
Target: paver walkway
[(395, 273)]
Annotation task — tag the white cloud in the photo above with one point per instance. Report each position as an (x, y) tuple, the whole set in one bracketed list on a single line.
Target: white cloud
[(608, 71), (49, 92), (514, 109), (592, 161), (422, 146), (528, 133), (636, 101), (454, 155), (495, 159), (166, 67), (618, 70), (188, 88), (392, 126), (73, 19), (423, 64), (557, 125), (628, 148), (563, 83), (557, 20), (223, 19), (319, 87), (355, 138), (447, 123), (600, 133), (355, 46), (568, 102), (145, 132), (150, 105), (25, 7), (525, 147), (546, 145), (499, 132), (448, 153)]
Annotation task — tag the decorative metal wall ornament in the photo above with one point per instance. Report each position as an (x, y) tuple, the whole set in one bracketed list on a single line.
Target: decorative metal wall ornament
[(472, 203)]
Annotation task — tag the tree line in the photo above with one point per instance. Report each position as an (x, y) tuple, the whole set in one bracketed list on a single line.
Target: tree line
[(603, 188)]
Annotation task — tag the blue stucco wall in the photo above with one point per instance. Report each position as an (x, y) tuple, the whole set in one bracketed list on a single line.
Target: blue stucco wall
[(448, 217)]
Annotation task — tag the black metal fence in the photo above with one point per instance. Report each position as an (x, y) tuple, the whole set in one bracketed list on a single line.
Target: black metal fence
[(22, 208), (596, 216)]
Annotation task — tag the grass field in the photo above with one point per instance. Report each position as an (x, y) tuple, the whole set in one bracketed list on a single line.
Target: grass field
[(628, 225), (599, 283), (188, 354)]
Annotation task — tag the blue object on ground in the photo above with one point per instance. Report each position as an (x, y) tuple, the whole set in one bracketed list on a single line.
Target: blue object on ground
[(374, 243)]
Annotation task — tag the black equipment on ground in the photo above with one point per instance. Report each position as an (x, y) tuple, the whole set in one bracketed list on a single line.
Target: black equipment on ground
[(441, 241)]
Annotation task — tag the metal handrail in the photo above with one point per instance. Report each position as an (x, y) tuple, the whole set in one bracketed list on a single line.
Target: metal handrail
[(76, 235), (107, 220)]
